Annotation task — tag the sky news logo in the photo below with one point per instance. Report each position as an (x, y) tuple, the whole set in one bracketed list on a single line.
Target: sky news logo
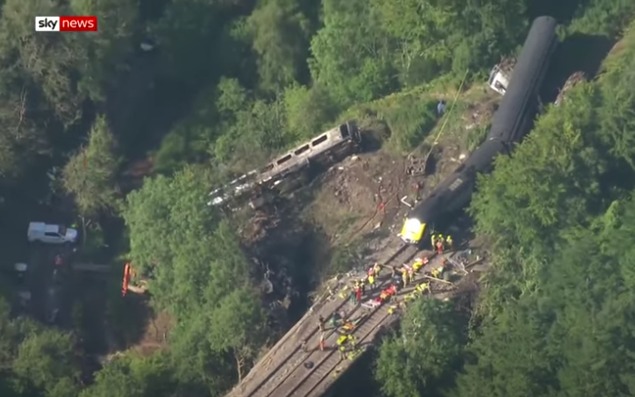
[(75, 23)]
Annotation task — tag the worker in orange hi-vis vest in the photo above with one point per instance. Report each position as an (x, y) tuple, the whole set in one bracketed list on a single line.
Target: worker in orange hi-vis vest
[(126, 279)]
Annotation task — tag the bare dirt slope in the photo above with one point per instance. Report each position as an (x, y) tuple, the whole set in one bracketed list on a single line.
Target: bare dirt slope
[(363, 194)]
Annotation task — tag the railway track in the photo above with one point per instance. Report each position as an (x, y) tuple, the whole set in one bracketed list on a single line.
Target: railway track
[(284, 363), (365, 334)]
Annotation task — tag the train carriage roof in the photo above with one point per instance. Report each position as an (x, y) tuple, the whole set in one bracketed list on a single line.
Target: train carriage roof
[(527, 75)]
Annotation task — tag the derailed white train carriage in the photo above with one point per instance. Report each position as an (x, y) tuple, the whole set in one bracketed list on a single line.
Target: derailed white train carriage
[(326, 148)]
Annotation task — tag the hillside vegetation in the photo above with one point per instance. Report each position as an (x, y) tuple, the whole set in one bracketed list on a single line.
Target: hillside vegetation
[(553, 315)]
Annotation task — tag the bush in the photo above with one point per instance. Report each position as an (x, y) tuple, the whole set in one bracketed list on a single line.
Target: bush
[(605, 17), (344, 259), (409, 119), (476, 137), (171, 154), (308, 110), (94, 242)]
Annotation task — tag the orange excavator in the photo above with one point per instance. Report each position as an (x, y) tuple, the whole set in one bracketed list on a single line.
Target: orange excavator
[(128, 274)]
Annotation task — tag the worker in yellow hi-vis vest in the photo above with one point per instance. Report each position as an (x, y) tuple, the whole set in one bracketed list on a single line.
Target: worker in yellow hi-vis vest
[(423, 287), (376, 269), (449, 242)]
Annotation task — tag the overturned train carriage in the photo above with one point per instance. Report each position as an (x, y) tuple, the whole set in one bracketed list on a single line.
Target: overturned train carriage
[(326, 148), (511, 122)]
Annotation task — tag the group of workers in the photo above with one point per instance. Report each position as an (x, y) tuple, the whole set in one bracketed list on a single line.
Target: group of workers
[(347, 346), (408, 273), (440, 242), (346, 341), (401, 277)]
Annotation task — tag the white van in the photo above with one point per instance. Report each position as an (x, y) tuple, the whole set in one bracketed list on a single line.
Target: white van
[(51, 234)]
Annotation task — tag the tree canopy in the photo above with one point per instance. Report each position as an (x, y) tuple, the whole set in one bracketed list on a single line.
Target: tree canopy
[(35, 359), (200, 273), (552, 317), (90, 174)]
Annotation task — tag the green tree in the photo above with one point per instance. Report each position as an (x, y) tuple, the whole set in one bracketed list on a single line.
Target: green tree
[(131, 376), (308, 110), (573, 334), (157, 214), (351, 57), (415, 25), (279, 33), (186, 33), (188, 141), (427, 348), (46, 361), (9, 337), (619, 102), (110, 47), (239, 327), (544, 203), (45, 60), (560, 294), (232, 97), (253, 129), (22, 140), (432, 37), (199, 274), (90, 174)]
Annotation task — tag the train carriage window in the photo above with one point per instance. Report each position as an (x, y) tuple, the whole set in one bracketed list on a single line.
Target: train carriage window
[(455, 184), (319, 140), (284, 159), (301, 150), (269, 167), (345, 133)]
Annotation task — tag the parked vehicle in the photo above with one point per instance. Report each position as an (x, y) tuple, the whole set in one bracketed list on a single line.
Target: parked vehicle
[(51, 234)]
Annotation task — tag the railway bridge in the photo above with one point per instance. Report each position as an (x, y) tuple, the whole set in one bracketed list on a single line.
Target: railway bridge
[(296, 367)]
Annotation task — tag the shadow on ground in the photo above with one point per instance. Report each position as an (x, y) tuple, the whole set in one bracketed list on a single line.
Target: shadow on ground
[(563, 10), (133, 313), (579, 52), (141, 109), (358, 380)]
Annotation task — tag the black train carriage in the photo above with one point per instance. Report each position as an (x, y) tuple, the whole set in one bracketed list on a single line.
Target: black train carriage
[(511, 122)]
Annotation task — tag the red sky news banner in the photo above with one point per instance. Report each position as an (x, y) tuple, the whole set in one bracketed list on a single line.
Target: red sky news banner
[(76, 23)]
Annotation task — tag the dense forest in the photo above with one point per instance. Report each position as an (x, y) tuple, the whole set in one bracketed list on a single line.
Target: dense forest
[(219, 86)]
